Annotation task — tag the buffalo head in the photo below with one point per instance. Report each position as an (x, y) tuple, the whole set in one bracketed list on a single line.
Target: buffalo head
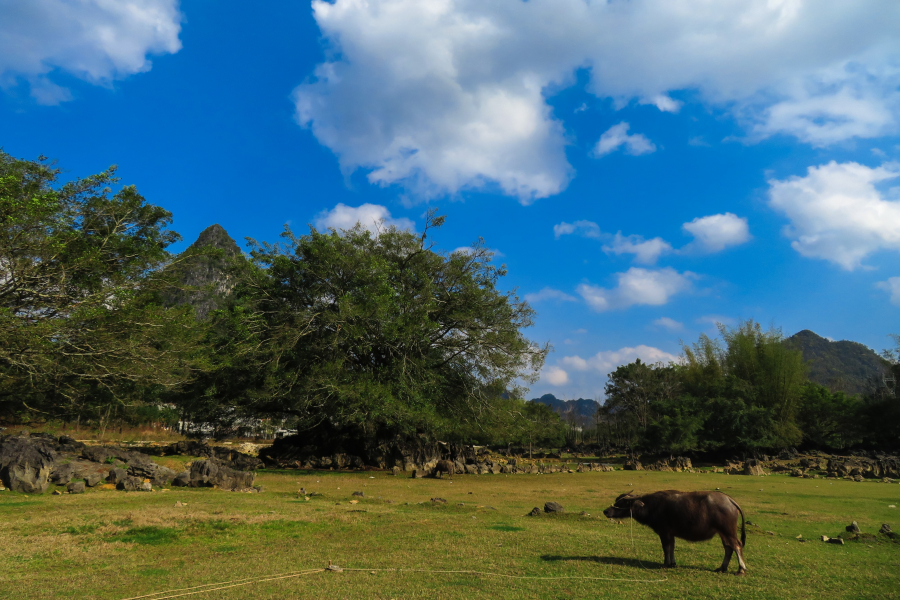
[(623, 507)]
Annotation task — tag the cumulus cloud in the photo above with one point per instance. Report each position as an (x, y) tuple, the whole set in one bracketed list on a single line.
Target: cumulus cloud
[(669, 324), (645, 252), (836, 212), (584, 228), (663, 103), (95, 40), (606, 361), (442, 95), (891, 286), (373, 217), (555, 376), (716, 232), (653, 287), (617, 137), (549, 294)]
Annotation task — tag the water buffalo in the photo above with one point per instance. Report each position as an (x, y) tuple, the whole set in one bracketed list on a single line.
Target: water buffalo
[(691, 516), (444, 466)]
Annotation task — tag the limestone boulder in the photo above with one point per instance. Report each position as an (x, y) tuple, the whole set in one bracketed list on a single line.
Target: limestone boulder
[(213, 472), (26, 463)]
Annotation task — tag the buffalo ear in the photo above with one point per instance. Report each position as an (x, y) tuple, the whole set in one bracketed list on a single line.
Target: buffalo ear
[(638, 504)]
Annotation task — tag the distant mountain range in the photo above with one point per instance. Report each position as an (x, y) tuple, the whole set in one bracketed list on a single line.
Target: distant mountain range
[(582, 410), (844, 366)]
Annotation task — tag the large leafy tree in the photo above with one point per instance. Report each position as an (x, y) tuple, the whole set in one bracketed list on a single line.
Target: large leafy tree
[(368, 335), (81, 268)]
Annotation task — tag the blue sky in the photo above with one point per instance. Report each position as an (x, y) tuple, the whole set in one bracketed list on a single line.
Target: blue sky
[(645, 169)]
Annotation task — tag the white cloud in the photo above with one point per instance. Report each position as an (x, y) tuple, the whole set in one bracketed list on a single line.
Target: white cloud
[(837, 213), (716, 232), (555, 376), (669, 324), (371, 216), (442, 95), (892, 286), (585, 228), (606, 361), (664, 103), (95, 40), (645, 251), (617, 136), (637, 286), (549, 294)]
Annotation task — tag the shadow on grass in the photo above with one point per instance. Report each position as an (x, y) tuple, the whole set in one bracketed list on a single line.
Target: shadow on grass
[(605, 560), (622, 562)]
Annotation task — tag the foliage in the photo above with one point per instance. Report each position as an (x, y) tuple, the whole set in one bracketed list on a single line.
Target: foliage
[(830, 419), (81, 325), (373, 333)]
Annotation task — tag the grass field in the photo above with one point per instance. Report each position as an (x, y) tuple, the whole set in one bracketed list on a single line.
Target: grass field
[(116, 545)]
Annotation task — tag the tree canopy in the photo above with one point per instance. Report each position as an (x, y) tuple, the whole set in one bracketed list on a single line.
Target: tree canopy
[(80, 272), (374, 333)]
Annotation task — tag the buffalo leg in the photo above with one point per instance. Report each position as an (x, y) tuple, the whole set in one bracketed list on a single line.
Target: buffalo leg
[(727, 559), (732, 545), (668, 544), (742, 566)]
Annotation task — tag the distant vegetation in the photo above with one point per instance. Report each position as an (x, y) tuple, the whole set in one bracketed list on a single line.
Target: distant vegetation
[(355, 337), (747, 391)]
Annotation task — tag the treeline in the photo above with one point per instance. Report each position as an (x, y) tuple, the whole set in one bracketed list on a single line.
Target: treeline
[(349, 337), (745, 391), (344, 336)]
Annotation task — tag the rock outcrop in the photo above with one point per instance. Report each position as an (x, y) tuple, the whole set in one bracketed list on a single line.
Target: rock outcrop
[(213, 472), (26, 463)]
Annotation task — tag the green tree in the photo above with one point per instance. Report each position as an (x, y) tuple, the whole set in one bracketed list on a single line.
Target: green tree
[(362, 335), (774, 372), (638, 387), (81, 325), (829, 419)]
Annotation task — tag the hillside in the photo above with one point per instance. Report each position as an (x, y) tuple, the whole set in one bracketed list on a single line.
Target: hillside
[(205, 278), (582, 409), (844, 366)]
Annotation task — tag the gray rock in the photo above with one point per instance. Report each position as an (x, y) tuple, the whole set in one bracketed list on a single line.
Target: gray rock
[(116, 476), (535, 512), (553, 507), (885, 529), (853, 527), (75, 487), (146, 486), (360, 494), (93, 479), (163, 476), (395, 470), (26, 463), (98, 454), (213, 472), (183, 479), (438, 501), (62, 474), (129, 484)]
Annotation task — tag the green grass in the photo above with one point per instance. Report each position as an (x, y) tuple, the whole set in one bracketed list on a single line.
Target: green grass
[(119, 545)]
